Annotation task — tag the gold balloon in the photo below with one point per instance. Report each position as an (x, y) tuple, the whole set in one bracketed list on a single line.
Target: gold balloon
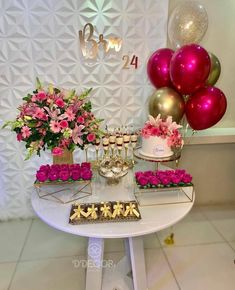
[(215, 70), (167, 102), (187, 24)]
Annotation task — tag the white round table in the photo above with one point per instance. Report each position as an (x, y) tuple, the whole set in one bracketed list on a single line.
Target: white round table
[(154, 219)]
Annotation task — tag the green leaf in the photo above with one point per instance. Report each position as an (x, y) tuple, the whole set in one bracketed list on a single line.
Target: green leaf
[(13, 124), (27, 98), (7, 123), (87, 106), (29, 154), (85, 94)]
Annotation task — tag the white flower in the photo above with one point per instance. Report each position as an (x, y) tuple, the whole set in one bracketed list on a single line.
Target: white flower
[(155, 121)]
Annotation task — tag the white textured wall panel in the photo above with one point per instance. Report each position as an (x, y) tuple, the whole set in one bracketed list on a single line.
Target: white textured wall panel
[(40, 38)]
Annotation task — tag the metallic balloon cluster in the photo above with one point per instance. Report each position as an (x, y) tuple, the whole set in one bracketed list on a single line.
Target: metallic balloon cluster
[(185, 78)]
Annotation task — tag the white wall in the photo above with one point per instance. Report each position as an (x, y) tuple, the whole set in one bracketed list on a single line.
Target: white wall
[(40, 38)]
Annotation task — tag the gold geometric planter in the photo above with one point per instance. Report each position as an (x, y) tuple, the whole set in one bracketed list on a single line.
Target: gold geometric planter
[(63, 192), (65, 158)]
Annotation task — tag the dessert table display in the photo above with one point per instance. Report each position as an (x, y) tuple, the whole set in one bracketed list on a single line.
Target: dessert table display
[(153, 218)]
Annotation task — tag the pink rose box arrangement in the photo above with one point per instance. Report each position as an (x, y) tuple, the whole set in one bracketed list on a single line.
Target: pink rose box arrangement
[(64, 182), (163, 178), (60, 173), (163, 187)]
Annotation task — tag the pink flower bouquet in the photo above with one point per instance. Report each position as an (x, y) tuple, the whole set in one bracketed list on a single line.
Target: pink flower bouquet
[(55, 119), (163, 178), (165, 129), (64, 172)]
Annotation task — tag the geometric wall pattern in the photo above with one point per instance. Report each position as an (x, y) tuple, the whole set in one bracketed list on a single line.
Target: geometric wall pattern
[(40, 38)]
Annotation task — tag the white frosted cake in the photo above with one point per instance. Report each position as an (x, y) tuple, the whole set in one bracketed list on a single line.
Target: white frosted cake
[(155, 147), (159, 137)]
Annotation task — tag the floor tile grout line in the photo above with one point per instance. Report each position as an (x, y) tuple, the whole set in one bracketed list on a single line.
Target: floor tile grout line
[(194, 245), (53, 258), (162, 249), (231, 247), (215, 228), (172, 271), (17, 263)]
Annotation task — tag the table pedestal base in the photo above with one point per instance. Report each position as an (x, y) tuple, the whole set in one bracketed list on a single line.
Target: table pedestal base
[(118, 275)]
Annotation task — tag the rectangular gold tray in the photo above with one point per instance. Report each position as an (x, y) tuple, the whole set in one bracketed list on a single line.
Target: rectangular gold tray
[(100, 218)]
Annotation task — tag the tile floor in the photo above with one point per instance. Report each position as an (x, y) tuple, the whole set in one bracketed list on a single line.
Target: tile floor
[(34, 256)]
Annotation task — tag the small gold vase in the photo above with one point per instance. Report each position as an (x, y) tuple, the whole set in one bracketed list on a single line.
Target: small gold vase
[(65, 158)]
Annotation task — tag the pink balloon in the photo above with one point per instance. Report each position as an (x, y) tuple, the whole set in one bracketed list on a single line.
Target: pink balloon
[(158, 67), (190, 68), (205, 108)]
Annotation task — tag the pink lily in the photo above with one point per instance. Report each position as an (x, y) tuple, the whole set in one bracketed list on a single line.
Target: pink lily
[(76, 134)]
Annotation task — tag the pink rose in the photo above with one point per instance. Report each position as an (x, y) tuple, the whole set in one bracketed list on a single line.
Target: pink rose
[(64, 167), (75, 175), (57, 151), (160, 175), (138, 174), (175, 179), (169, 172), (55, 167), (187, 178), (86, 165), (143, 180), (74, 166), (180, 171), (60, 103), (19, 137), (86, 174), (165, 180), (53, 175), (91, 137), (80, 120), (41, 96), (64, 175), (44, 168), (155, 132), (153, 180), (41, 176), (148, 173), (64, 124)]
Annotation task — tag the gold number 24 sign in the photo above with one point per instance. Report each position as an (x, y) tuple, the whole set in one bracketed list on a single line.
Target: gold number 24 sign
[(90, 47)]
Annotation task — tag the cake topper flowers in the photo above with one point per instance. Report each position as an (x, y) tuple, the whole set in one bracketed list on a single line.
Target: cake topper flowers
[(55, 119), (165, 129)]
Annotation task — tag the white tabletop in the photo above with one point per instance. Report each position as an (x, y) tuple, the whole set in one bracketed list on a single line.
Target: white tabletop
[(154, 218)]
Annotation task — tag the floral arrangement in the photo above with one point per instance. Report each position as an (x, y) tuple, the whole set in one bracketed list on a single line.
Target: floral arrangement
[(161, 178), (64, 172), (55, 119), (165, 129)]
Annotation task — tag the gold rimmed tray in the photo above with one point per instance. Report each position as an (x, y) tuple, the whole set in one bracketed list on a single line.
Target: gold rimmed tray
[(102, 212)]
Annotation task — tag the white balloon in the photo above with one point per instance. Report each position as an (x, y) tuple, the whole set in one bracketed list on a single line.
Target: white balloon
[(187, 24)]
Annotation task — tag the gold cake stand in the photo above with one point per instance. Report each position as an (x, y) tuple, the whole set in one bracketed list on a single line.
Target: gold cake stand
[(174, 157)]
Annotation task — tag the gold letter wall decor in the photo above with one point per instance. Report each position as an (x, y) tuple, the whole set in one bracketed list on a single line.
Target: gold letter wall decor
[(90, 47)]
